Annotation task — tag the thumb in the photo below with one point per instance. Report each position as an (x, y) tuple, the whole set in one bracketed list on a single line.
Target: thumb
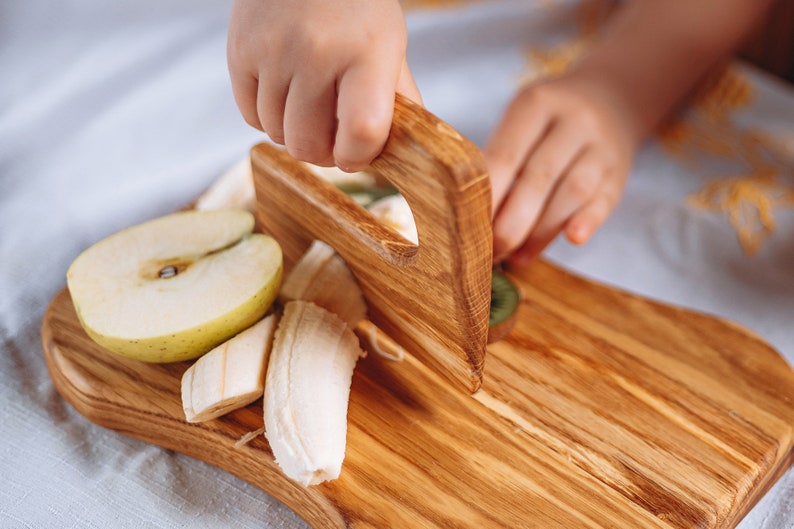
[(406, 85)]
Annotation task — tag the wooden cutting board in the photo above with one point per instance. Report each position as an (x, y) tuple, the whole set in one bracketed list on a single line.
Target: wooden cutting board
[(601, 408)]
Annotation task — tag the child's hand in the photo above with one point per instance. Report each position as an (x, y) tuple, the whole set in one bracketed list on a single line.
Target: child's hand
[(558, 162), (319, 76)]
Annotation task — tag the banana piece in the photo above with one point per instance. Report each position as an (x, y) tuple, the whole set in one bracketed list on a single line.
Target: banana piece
[(230, 376), (307, 391), (395, 212), (234, 189), (322, 276), (342, 179)]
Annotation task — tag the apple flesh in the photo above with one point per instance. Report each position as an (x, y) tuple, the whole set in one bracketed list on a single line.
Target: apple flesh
[(174, 287)]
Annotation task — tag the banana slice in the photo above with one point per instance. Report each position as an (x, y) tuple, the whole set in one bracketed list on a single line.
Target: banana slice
[(230, 376), (395, 212), (234, 189), (307, 391), (322, 276)]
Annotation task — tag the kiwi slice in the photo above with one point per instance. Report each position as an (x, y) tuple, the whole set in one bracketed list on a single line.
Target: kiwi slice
[(366, 195), (505, 298)]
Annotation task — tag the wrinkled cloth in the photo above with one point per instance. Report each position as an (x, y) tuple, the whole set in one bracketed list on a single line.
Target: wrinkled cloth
[(112, 113)]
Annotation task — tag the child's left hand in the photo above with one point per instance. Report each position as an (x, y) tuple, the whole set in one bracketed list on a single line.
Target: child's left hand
[(558, 160)]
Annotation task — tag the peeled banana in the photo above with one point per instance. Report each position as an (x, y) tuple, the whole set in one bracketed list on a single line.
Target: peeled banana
[(230, 376), (302, 362), (322, 276), (307, 390)]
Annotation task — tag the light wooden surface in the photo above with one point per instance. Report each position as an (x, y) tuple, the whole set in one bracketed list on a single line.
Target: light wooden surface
[(601, 409), (436, 296)]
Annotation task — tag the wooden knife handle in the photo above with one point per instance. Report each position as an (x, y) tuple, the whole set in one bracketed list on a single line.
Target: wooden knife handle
[(433, 298)]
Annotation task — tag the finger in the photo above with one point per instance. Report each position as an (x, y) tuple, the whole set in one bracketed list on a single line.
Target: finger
[(407, 86), (270, 106), (521, 209), (509, 145), (365, 109), (576, 188), (584, 223), (244, 89), (309, 118), (243, 77)]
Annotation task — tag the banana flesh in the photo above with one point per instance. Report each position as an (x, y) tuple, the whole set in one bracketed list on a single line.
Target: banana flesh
[(234, 189), (307, 390), (322, 276), (230, 376), (395, 213), (302, 362)]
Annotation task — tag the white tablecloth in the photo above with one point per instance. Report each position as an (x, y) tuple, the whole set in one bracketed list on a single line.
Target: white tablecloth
[(115, 112)]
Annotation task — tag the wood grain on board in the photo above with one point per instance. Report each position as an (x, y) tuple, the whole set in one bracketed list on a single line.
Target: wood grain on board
[(600, 409), (436, 296)]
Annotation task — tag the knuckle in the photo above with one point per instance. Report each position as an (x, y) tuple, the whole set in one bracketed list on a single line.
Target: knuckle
[(594, 120), (239, 47), (367, 130), (583, 184), (501, 161), (313, 44), (535, 93), (539, 177), (612, 196)]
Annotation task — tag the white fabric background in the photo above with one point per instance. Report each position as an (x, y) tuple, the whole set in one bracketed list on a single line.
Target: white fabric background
[(114, 112)]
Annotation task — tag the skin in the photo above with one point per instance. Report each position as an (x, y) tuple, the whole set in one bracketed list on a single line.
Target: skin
[(319, 76), (560, 156)]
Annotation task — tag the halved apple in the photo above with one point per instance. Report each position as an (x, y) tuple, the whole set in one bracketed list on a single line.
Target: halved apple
[(174, 287)]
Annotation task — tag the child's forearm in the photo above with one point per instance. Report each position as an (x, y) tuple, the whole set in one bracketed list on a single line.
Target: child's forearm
[(654, 52)]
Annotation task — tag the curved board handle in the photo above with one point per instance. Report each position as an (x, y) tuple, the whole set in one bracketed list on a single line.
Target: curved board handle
[(433, 298)]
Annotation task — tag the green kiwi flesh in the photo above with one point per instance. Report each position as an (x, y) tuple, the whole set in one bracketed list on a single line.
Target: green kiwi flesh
[(505, 298), (505, 295), (366, 195)]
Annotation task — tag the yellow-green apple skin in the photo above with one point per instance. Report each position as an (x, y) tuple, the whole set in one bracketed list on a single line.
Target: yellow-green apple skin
[(172, 288)]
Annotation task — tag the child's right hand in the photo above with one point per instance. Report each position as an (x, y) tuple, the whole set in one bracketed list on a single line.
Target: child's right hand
[(320, 76)]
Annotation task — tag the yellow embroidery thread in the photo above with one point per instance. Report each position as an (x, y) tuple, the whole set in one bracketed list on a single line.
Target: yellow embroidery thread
[(763, 182)]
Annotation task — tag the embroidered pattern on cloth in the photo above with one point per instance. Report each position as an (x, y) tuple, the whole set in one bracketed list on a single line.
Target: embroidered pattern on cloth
[(759, 175), (544, 62)]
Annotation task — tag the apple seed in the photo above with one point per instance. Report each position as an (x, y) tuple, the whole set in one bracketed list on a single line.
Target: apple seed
[(168, 271)]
